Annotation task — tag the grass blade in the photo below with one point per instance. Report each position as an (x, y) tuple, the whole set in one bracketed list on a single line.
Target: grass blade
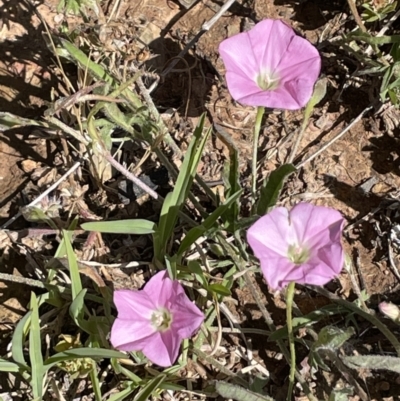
[(175, 200), (196, 232), (146, 391), (7, 366), (133, 226), (272, 188), (18, 340), (76, 283), (77, 353), (35, 351)]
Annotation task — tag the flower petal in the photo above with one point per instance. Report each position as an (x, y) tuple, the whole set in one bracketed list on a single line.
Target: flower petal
[(234, 51), (160, 288), (131, 335), (163, 348), (316, 226), (278, 271), (187, 317), (270, 40), (272, 232), (133, 304)]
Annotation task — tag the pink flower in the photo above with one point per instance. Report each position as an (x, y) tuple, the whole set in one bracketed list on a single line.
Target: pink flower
[(155, 320), (302, 245), (270, 66)]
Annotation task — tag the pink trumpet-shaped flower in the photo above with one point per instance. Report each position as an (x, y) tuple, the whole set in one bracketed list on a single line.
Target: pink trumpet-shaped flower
[(270, 66), (303, 245), (155, 320)]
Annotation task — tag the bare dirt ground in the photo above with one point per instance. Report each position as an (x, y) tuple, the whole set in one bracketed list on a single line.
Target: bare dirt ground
[(359, 174)]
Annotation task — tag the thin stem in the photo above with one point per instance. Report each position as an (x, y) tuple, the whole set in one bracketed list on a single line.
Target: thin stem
[(289, 322), (241, 265), (257, 128), (356, 15), (130, 176)]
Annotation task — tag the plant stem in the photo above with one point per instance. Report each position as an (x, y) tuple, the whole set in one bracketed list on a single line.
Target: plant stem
[(289, 321), (356, 15), (257, 127)]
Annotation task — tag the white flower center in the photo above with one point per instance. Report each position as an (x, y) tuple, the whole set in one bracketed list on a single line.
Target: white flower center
[(161, 319), (298, 254), (267, 81)]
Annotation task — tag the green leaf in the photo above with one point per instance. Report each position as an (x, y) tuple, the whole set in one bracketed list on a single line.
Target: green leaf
[(7, 366), (332, 337), (307, 320), (147, 390), (76, 283), (175, 200), (9, 120), (170, 263), (373, 40), (196, 232), (219, 289), (77, 353), (195, 268), (95, 383), (35, 351), (133, 226), (18, 340), (228, 390), (373, 362), (76, 310), (272, 188), (121, 395), (119, 369), (232, 187)]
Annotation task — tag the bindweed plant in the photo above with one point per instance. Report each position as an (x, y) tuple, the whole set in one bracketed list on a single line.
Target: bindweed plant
[(154, 337)]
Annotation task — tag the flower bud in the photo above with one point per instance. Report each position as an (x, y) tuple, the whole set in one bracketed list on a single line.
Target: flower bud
[(390, 310)]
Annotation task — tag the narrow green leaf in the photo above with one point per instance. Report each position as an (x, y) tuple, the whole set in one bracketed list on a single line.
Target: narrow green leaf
[(9, 120), (272, 188), (98, 71), (219, 289), (95, 382), (133, 226), (7, 366), (195, 267), (373, 40), (18, 340), (76, 283), (147, 390), (119, 369), (231, 179), (170, 263), (228, 390), (35, 350), (174, 201), (196, 232), (373, 362), (76, 309), (121, 395), (77, 353)]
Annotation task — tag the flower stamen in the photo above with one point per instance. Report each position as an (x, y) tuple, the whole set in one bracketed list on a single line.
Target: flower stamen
[(161, 319)]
